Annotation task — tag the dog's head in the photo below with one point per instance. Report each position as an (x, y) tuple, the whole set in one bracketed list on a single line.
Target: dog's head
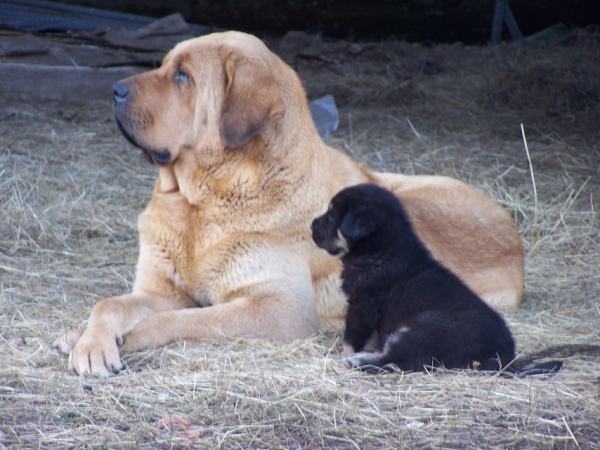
[(212, 94), (354, 215)]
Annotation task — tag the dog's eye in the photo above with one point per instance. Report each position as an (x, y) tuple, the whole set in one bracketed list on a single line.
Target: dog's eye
[(181, 77)]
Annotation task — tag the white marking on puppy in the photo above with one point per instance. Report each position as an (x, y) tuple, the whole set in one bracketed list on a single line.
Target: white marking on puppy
[(341, 244), (372, 344), (367, 358), (361, 360)]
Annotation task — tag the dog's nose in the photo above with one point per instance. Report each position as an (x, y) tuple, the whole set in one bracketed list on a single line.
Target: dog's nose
[(121, 92)]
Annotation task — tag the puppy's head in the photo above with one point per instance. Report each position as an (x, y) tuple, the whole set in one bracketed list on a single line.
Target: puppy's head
[(211, 94), (354, 214)]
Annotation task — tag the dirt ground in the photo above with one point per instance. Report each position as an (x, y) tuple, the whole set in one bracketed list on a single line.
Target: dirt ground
[(71, 189)]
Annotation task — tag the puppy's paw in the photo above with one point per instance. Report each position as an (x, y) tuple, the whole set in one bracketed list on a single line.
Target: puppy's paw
[(358, 360), (67, 342)]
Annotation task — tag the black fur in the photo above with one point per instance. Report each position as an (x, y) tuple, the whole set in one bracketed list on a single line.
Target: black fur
[(419, 313)]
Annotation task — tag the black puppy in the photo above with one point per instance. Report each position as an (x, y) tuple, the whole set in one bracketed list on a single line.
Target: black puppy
[(419, 313)]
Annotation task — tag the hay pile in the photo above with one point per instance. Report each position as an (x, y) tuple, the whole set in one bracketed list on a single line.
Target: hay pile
[(71, 189)]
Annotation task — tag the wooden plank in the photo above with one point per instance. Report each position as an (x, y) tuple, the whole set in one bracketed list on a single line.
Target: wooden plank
[(61, 82)]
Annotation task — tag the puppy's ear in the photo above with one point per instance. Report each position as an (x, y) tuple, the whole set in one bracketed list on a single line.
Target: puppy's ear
[(357, 224), (252, 101)]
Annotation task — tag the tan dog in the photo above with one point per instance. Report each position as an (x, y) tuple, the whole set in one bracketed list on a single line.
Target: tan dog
[(225, 245)]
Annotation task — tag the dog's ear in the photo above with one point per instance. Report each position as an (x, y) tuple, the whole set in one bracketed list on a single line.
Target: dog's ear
[(357, 224), (252, 101)]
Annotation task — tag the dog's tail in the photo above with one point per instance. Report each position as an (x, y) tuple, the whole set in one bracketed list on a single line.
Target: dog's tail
[(544, 368), (528, 365)]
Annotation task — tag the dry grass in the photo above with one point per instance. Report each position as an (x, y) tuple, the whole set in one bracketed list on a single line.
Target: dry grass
[(71, 189)]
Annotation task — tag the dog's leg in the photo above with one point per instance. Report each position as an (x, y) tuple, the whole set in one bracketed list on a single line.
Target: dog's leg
[(256, 288), (360, 326), (96, 352), (266, 313)]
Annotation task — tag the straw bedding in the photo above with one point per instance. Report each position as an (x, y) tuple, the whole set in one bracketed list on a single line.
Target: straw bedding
[(71, 189)]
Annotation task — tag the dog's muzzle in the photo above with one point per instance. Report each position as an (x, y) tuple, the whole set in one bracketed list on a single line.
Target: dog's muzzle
[(122, 94), (326, 236)]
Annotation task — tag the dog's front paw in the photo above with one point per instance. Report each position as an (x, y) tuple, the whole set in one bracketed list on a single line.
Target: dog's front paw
[(96, 354), (356, 360), (67, 342), (366, 362)]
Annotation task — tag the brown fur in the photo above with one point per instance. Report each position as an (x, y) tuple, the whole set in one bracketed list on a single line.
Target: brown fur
[(225, 246)]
